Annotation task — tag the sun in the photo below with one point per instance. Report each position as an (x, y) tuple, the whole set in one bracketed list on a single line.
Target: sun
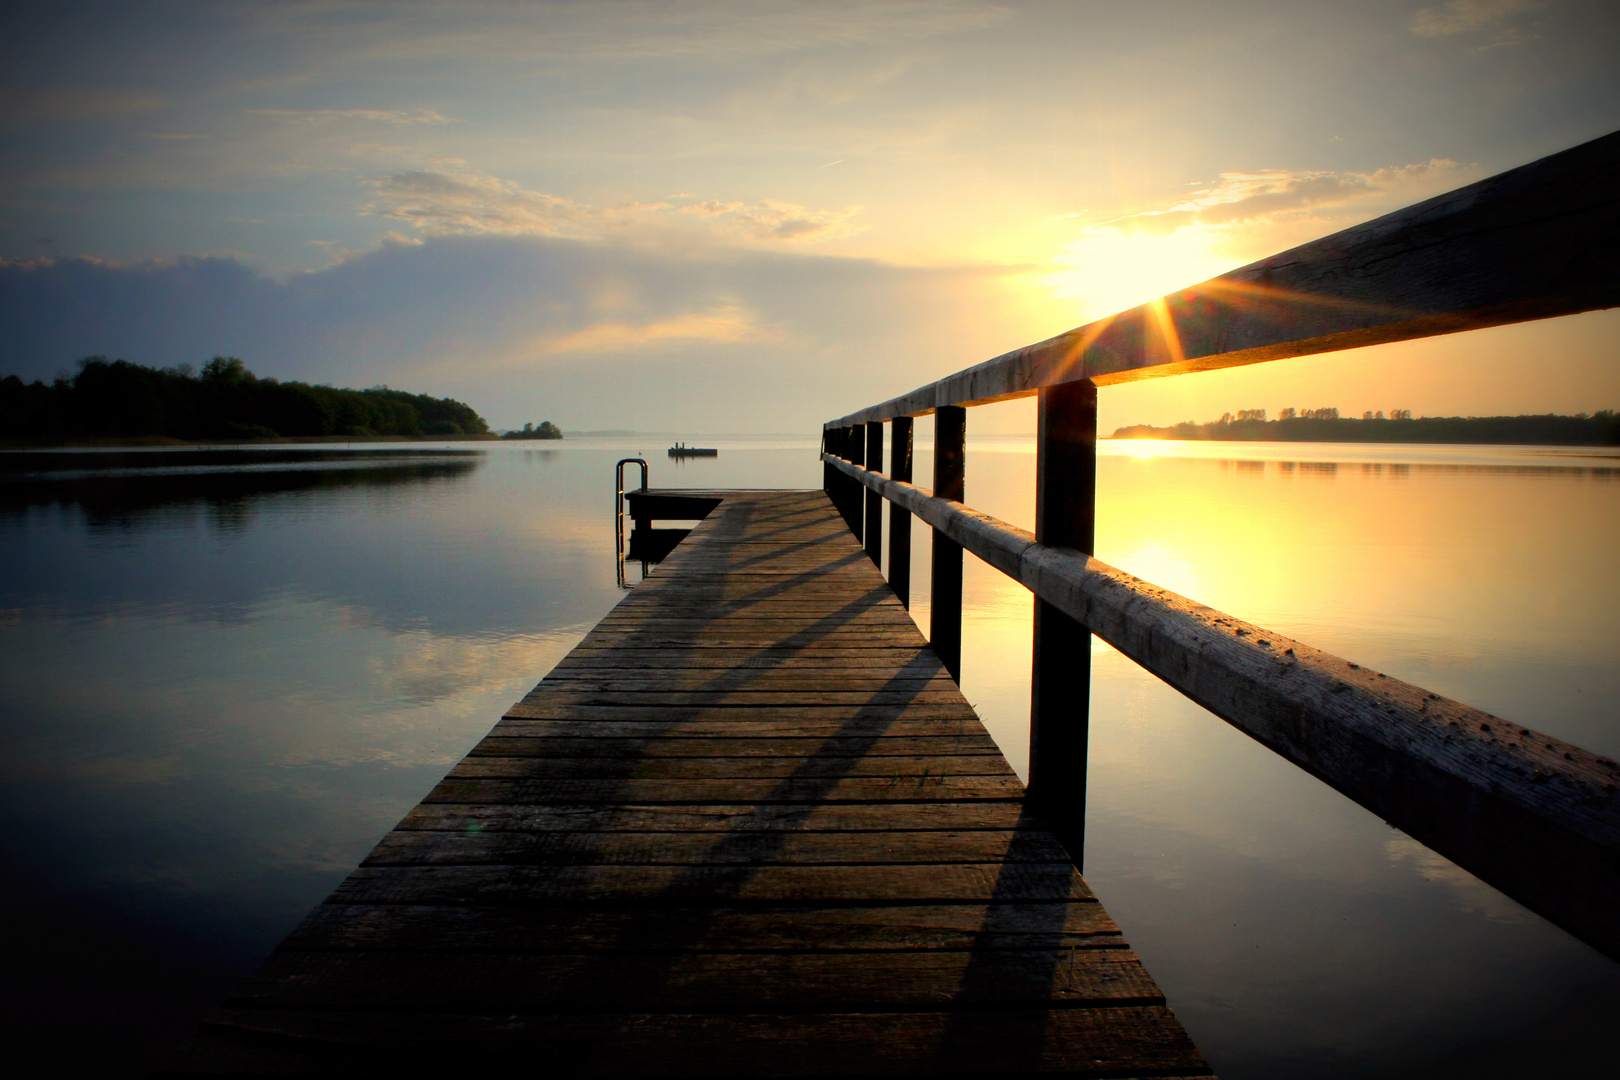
[(1112, 269)]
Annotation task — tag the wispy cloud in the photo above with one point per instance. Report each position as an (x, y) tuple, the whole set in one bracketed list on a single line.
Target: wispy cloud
[(22, 105), (613, 30), (726, 324), (529, 327), (465, 202), (772, 219), (1243, 216), (1274, 195), (1488, 19), (377, 116)]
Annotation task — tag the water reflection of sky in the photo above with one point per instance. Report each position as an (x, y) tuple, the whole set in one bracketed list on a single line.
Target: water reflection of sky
[(221, 686)]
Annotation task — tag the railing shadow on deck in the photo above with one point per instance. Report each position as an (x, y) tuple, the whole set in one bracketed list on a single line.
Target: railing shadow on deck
[(1015, 938), (691, 902), (1537, 818)]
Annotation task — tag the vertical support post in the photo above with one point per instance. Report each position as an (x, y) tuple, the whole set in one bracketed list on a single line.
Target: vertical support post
[(900, 519), (950, 458), (856, 455), (874, 501), (829, 475), (1060, 688), (841, 500)]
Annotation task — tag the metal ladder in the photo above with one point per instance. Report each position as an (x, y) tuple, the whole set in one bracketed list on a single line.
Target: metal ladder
[(618, 513)]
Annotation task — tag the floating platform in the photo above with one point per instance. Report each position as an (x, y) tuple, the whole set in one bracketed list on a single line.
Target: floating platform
[(748, 827)]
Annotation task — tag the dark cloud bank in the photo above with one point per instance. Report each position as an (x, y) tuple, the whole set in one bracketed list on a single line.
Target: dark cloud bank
[(526, 326)]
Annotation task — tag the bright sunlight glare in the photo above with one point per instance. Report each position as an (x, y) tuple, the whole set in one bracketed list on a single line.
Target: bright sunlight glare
[(1115, 270)]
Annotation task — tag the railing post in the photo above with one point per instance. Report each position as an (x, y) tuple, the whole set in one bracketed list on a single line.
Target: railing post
[(1060, 687), (846, 487), (950, 458), (835, 442), (829, 475), (856, 455), (874, 501), (900, 520)]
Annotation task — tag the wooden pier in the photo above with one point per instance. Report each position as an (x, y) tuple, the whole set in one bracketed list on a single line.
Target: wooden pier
[(749, 827)]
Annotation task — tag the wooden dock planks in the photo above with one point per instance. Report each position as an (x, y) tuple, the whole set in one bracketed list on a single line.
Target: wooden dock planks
[(747, 828)]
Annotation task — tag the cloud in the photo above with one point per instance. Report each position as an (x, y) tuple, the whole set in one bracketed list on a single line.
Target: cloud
[(771, 219), (717, 31), (380, 116), (1130, 260), (1482, 17), (26, 105), (1276, 193), (728, 324), (469, 203), (465, 202), (1265, 209), (590, 334)]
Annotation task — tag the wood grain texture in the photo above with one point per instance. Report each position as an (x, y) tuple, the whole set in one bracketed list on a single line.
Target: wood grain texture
[(748, 828), (1117, 1043), (783, 928), (1534, 816), (415, 848), (1534, 242), (797, 981)]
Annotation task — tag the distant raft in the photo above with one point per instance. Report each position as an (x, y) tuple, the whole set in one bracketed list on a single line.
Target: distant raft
[(680, 450)]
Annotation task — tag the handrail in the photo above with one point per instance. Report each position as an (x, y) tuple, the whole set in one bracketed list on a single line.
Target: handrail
[(1534, 242), (1534, 816)]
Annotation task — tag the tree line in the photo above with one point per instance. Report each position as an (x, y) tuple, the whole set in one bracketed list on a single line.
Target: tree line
[(225, 400), (546, 430), (1326, 425)]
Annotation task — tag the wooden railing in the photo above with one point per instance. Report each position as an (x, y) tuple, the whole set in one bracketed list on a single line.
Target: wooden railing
[(1536, 817)]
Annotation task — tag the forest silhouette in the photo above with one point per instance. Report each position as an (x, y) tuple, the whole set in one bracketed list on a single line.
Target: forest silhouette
[(119, 399), (1326, 425)]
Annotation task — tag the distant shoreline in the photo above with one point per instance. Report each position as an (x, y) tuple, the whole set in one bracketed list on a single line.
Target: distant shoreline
[(166, 442), (1600, 429)]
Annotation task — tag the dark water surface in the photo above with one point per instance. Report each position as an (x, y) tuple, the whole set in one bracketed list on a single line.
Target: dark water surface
[(225, 676)]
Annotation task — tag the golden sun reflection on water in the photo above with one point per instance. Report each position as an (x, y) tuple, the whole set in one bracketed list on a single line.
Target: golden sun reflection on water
[(1483, 573)]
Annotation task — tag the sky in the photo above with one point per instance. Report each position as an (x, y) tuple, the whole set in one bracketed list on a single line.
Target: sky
[(756, 216)]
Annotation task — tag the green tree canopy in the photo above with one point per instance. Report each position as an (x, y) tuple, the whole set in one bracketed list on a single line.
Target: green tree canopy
[(114, 398)]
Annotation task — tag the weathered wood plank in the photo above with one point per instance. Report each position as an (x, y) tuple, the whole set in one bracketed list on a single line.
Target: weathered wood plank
[(748, 638), (881, 616), (667, 736), (684, 745), (845, 590), (432, 928), (1119, 1043), (902, 660), (790, 607), (734, 818), (741, 713), (417, 848), (856, 789), (827, 766), (687, 885), (703, 981), (566, 695), (639, 680)]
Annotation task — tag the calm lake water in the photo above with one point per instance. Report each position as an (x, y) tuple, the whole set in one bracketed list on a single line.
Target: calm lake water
[(225, 676)]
